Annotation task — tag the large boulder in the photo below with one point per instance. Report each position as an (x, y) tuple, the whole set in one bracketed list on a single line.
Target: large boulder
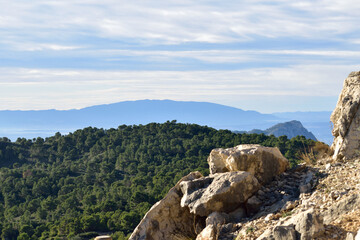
[(308, 224), (221, 192), (284, 233), (167, 219), (346, 120), (208, 233), (263, 162)]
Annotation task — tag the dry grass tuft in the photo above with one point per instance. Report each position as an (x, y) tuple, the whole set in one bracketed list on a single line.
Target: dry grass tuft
[(319, 151)]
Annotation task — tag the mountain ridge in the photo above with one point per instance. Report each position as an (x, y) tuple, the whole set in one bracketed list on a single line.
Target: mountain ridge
[(44, 123)]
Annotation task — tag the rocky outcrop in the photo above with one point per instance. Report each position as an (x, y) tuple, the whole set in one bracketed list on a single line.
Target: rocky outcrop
[(209, 233), (220, 192), (263, 162), (167, 219), (306, 225), (207, 207), (346, 120)]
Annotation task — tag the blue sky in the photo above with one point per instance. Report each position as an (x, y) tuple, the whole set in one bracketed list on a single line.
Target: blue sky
[(269, 56)]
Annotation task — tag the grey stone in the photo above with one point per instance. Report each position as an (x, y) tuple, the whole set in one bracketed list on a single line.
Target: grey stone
[(343, 206), (226, 228), (225, 193), (217, 218), (237, 215), (253, 205), (208, 233), (267, 235), (305, 188), (308, 224), (167, 219), (284, 233)]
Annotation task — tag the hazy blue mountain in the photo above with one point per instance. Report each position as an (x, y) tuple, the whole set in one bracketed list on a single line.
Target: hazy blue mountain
[(290, 129), (46, 122), (30, 124)]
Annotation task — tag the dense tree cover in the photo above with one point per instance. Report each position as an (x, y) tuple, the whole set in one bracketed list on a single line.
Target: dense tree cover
[(103, 181)]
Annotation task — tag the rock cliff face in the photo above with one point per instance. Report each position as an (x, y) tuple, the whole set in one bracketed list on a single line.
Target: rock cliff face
[(346, 120)]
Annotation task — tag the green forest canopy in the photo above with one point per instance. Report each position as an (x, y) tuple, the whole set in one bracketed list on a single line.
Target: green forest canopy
[(103, 181)]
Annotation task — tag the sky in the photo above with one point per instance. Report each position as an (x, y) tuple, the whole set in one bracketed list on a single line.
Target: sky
[(269, 56)]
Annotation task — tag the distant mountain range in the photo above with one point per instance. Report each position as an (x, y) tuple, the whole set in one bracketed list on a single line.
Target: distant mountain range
[(290, 129), (44, 123)]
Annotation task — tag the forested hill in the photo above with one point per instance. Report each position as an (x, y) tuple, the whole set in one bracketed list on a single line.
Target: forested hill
[(290, 129), (103, 181)]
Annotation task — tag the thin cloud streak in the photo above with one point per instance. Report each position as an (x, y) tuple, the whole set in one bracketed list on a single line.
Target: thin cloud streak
[(229, 56), (175, 22)]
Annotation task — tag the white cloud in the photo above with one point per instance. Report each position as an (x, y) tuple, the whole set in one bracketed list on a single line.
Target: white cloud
[(226, 56), (177, 21), (43, 46)]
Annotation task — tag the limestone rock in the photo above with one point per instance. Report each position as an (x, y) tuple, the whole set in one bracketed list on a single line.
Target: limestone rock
[(263, 162), (217, 218), (284, 233), (305, 225), (350, 236), (167, 219), (209, 233), (237, 215), (222, 192), (267, 235), (307, 183), (357, 237), (308, 224), (343, 206), (253, 205), (346, 120)]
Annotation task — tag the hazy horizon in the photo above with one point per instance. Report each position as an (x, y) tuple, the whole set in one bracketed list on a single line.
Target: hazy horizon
[(49, 109)]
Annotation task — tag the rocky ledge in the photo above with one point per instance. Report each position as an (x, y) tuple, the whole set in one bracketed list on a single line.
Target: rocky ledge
[(330, 209)]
